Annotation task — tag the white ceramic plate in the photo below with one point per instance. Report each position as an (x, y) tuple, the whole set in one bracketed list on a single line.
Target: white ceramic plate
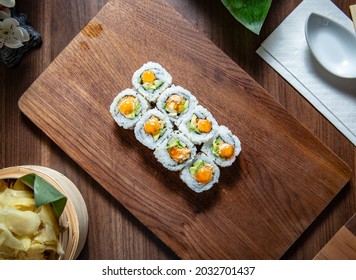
[(333, 46)]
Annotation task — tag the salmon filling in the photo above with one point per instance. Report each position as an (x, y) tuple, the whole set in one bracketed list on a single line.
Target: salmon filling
[(149, 81), (200, 126), (222, 149), (154, 126), (176, 104), (177, 150), (129, 107), (202, 171)]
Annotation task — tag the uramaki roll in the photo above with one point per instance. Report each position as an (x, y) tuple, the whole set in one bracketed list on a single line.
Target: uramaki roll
[(127, 108), (175, 152), (223, 148), (152, 128), (199, 125), (151, 80), (201, 174), (176, 102)]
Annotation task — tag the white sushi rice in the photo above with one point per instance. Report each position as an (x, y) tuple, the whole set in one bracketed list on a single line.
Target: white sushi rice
[(147, 139), (226, 135), (160, 74), (162, 154), (120, 119), (189, 136), (201, 113), (190, 180), (178, 90)]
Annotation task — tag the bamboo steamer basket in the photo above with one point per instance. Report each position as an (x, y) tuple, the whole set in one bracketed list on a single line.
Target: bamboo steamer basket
[(75, 215)]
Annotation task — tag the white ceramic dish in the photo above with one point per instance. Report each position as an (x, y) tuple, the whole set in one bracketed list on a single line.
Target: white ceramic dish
[(332, 45)]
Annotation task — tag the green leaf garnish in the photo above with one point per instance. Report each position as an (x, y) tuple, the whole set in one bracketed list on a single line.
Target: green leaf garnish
[(45, 193), (250, 13)]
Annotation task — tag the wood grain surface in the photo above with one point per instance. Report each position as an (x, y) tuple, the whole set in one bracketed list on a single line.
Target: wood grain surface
[(282, 181), (22, 143), (342, 246)]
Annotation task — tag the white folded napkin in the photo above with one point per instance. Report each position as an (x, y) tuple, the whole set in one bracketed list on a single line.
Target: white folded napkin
[(286, 50)]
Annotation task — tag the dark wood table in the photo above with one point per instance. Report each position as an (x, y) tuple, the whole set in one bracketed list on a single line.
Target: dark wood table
[(113, 232)]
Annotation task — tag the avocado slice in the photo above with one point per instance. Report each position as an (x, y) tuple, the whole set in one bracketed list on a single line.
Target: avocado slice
[(152, 86), (186, 105), (193, 124), (149, 87), (215, 147), (162, 129), (196, 166), (175, 142), (157, 83)]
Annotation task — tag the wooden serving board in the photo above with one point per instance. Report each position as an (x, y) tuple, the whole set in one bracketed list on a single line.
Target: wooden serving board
[(282, 180), (342, 246)]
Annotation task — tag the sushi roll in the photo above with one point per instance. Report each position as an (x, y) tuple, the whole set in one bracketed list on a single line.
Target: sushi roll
[(176, 102), (152, 128), (201, 174), (175, 152), (151, 80), (223, 148), (199, 125), (127, 107)]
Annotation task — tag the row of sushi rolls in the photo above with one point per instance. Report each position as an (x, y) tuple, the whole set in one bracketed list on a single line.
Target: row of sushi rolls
[(168, 119)]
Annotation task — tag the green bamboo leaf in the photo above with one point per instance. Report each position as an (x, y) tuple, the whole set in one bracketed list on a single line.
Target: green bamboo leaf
[(45, 193), (250, 13)]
